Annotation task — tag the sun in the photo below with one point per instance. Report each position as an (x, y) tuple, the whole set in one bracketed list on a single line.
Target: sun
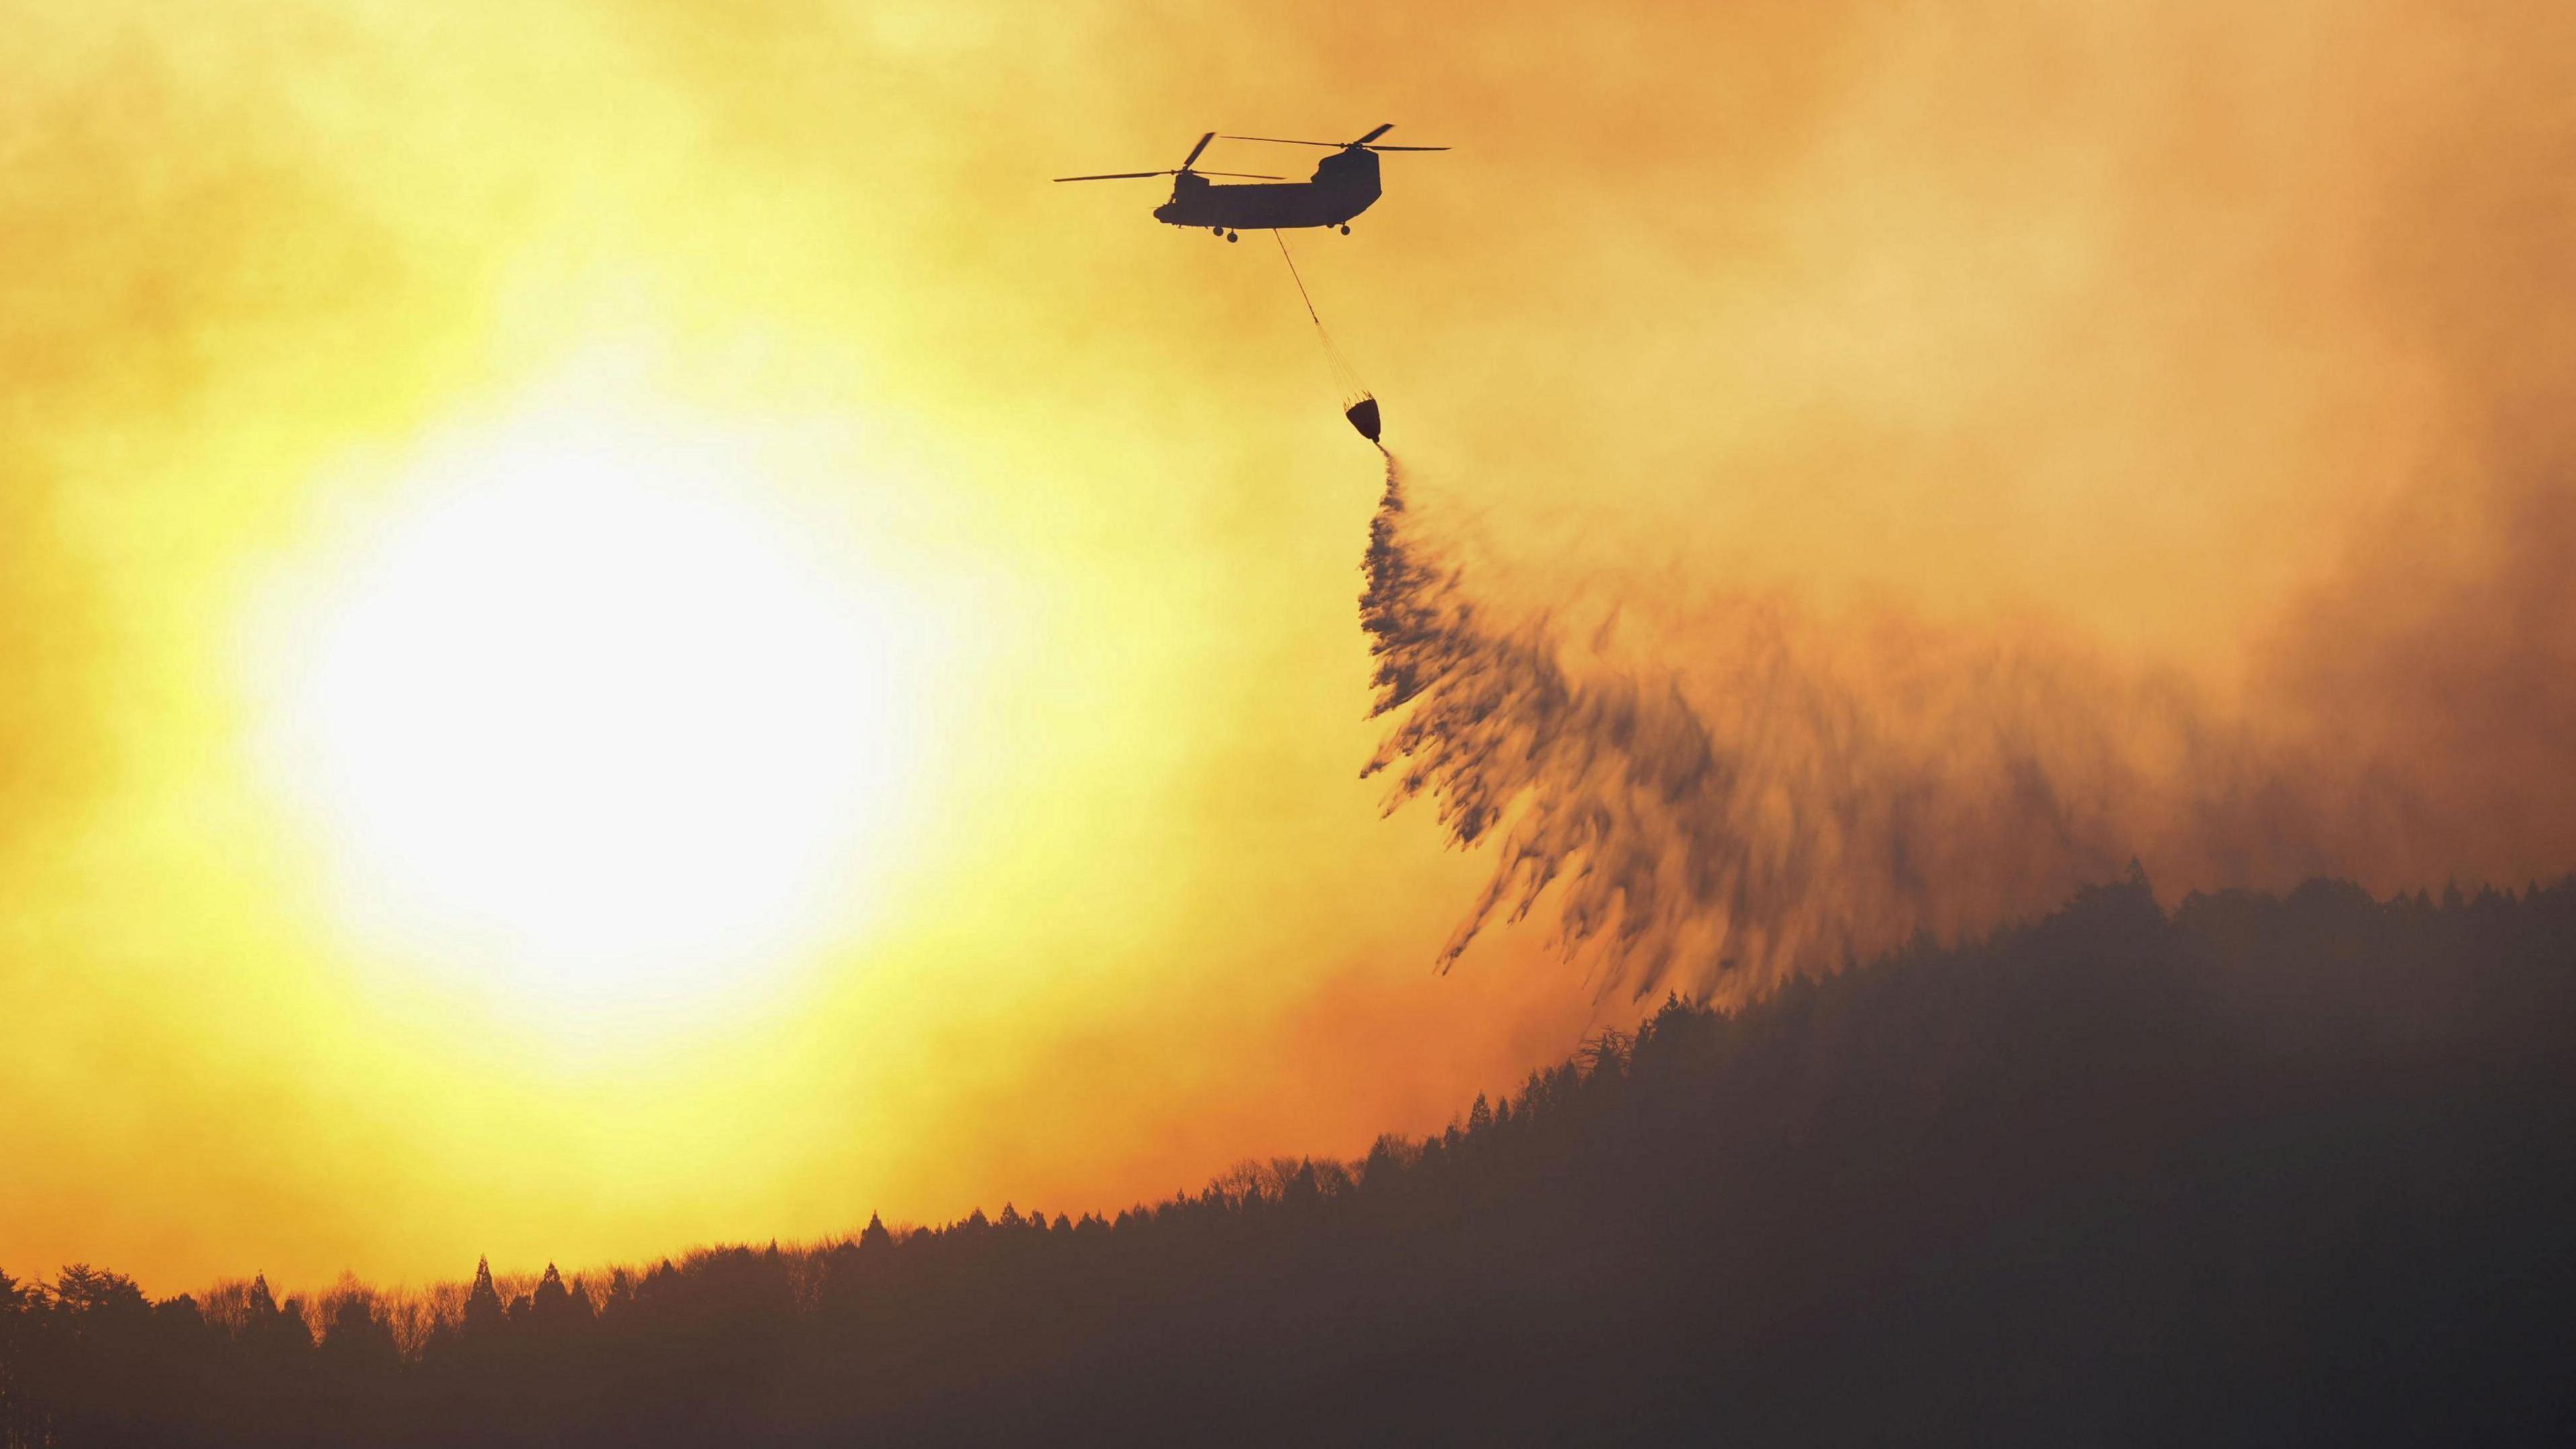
[(592, 717)]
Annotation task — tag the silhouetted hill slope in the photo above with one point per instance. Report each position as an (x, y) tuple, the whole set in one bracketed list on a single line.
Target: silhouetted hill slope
[(2264, 1171)]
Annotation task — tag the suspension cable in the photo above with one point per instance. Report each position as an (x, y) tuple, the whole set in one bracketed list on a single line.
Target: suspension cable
[(1345, 377), (1300, 281)]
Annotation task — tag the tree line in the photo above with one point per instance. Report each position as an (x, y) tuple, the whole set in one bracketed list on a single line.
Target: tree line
[(2262, 1169)]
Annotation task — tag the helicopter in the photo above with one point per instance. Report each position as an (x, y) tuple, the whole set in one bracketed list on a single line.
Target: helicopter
[(1344, 185)]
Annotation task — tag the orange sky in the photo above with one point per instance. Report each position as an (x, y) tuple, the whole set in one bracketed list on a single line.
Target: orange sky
[(2164, 329)]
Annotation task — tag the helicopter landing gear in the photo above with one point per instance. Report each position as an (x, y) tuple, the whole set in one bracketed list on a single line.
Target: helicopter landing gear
[(1346, 228), (1230, 236), (1216, 231)]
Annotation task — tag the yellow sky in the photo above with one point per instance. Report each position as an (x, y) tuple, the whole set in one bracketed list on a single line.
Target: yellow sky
[(2096, 318)]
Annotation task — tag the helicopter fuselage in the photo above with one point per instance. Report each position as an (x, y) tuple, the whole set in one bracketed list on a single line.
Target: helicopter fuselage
[(1344, 185)]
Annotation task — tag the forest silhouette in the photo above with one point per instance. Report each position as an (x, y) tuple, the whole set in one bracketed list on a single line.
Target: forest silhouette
[(2259, 1170)]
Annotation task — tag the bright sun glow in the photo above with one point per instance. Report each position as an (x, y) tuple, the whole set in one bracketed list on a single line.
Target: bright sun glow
[(594, 719)]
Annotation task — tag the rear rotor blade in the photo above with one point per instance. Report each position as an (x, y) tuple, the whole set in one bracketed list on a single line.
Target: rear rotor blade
[(1373, 135), (1284, 141), (1195, 150), (1406, 148), (1115, 176)]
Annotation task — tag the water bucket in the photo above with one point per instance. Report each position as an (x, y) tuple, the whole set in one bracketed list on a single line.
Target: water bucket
[(1363, 416)]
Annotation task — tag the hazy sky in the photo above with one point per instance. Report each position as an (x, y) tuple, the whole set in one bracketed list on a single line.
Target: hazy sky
[(654, 409)]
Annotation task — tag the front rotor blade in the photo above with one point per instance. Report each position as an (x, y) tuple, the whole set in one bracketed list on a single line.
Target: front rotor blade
[(1407, 148), (1284, 141), (1373, 135), (1246, 175), (1115, 176), (1195, 150)]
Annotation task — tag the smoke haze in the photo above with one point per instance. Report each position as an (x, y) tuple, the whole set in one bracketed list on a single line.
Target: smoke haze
[(1869, 467), (2183, 476)]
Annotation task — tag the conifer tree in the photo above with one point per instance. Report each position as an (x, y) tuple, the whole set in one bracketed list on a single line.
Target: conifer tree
[(483, 1311), (552, 1303)]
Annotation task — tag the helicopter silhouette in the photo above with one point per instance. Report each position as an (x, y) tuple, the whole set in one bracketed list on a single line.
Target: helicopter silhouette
[(1344, 185)]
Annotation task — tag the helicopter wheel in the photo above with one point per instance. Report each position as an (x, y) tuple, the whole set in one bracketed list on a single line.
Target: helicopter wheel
[(1231, 236), (1346, 228), (1216, 231)]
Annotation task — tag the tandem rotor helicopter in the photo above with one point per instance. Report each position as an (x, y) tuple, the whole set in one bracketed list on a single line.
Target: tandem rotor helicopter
[(1345, 184)]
